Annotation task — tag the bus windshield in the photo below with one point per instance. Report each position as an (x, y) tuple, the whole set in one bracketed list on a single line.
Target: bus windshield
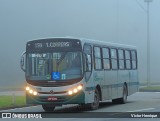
[(54, 66)]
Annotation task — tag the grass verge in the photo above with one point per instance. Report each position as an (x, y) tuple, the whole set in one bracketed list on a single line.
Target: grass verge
[(150, 89), (10, 102)]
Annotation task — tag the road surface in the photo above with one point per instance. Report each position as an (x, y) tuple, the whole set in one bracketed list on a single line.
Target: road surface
[(138, 102)]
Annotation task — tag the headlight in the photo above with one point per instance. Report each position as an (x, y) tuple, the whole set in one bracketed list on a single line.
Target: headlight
[(75, 90), (79, 87), (27, 88), (34, 93), (70, 92), (31, 91)]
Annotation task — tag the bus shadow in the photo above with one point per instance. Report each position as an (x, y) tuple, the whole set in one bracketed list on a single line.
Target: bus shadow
[(82, 108), (110, 104)]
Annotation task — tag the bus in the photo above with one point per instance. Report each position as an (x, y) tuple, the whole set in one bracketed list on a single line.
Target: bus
[(67, 70)]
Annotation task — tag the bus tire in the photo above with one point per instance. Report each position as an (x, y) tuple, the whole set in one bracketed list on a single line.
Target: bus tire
[(48, 107), (123, 99), (95, 104)]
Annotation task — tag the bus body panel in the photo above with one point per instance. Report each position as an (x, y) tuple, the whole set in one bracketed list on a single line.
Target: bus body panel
[(110, 81), (89, 90), (110, 87), (133, 85), (123, 77)]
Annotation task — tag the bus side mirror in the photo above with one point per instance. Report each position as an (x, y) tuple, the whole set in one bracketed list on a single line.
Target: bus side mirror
[(22, 63)]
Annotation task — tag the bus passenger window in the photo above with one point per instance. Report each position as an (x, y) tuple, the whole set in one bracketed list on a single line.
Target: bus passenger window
[(121, 59), (97, 58), (134, 59), (106, 63), (114, 59), (106, 58), (128, 59)]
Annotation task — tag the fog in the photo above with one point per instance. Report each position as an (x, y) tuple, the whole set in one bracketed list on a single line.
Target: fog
[(119, 21)]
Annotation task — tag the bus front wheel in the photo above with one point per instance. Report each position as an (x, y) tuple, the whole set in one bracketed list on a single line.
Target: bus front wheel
[(95, 104), (48, 107)]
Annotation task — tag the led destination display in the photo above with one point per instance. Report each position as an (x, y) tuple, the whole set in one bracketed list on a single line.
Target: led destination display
[(53, 44)]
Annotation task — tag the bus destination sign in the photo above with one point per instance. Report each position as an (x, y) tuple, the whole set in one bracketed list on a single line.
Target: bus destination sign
[(53, 45), (44, 45)]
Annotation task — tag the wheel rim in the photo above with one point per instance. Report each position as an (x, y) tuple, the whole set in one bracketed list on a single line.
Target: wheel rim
[(125, 94)]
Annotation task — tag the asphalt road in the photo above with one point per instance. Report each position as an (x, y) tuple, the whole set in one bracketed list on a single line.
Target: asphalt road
[(138, 102)]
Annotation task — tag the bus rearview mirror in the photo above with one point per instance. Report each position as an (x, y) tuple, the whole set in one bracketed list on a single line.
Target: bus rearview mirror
[(22, 63)]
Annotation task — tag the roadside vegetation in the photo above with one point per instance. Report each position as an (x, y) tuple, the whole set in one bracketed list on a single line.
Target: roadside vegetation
[(151, 88), (12, 101)]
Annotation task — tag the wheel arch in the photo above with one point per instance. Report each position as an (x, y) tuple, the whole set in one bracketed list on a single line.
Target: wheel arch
[(125, 84), (100, 92)]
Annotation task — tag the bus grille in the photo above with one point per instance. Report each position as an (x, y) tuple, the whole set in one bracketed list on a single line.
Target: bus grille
[(52, 84), (53, 93)]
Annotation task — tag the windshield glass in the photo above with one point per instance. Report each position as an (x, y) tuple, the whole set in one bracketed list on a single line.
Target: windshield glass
[(54, 66)]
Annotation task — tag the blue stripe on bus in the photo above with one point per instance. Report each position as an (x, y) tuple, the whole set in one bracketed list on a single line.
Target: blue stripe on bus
[(113, 85)]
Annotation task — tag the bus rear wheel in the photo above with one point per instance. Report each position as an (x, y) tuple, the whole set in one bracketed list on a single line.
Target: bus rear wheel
[(95, 104), (48, 107), (123, 99)]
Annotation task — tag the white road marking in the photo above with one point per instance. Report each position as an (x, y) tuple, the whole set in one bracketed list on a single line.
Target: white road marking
[(157, 92), (142, 110)]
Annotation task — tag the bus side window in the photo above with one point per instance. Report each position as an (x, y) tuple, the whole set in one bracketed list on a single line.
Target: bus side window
[(114, 59), (97, 58), (121, 58), (106, 58), (128, 59), (134, 59)]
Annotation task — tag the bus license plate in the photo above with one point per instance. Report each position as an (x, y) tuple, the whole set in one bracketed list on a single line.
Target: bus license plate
[(52, 98)]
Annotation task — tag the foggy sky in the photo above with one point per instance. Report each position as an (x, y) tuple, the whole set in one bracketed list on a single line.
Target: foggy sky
[(120, 21)]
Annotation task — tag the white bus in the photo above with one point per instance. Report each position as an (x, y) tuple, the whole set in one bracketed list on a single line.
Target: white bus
[(63, 71)]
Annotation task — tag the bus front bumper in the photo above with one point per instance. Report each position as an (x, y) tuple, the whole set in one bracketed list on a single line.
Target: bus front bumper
[(78, 98)]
